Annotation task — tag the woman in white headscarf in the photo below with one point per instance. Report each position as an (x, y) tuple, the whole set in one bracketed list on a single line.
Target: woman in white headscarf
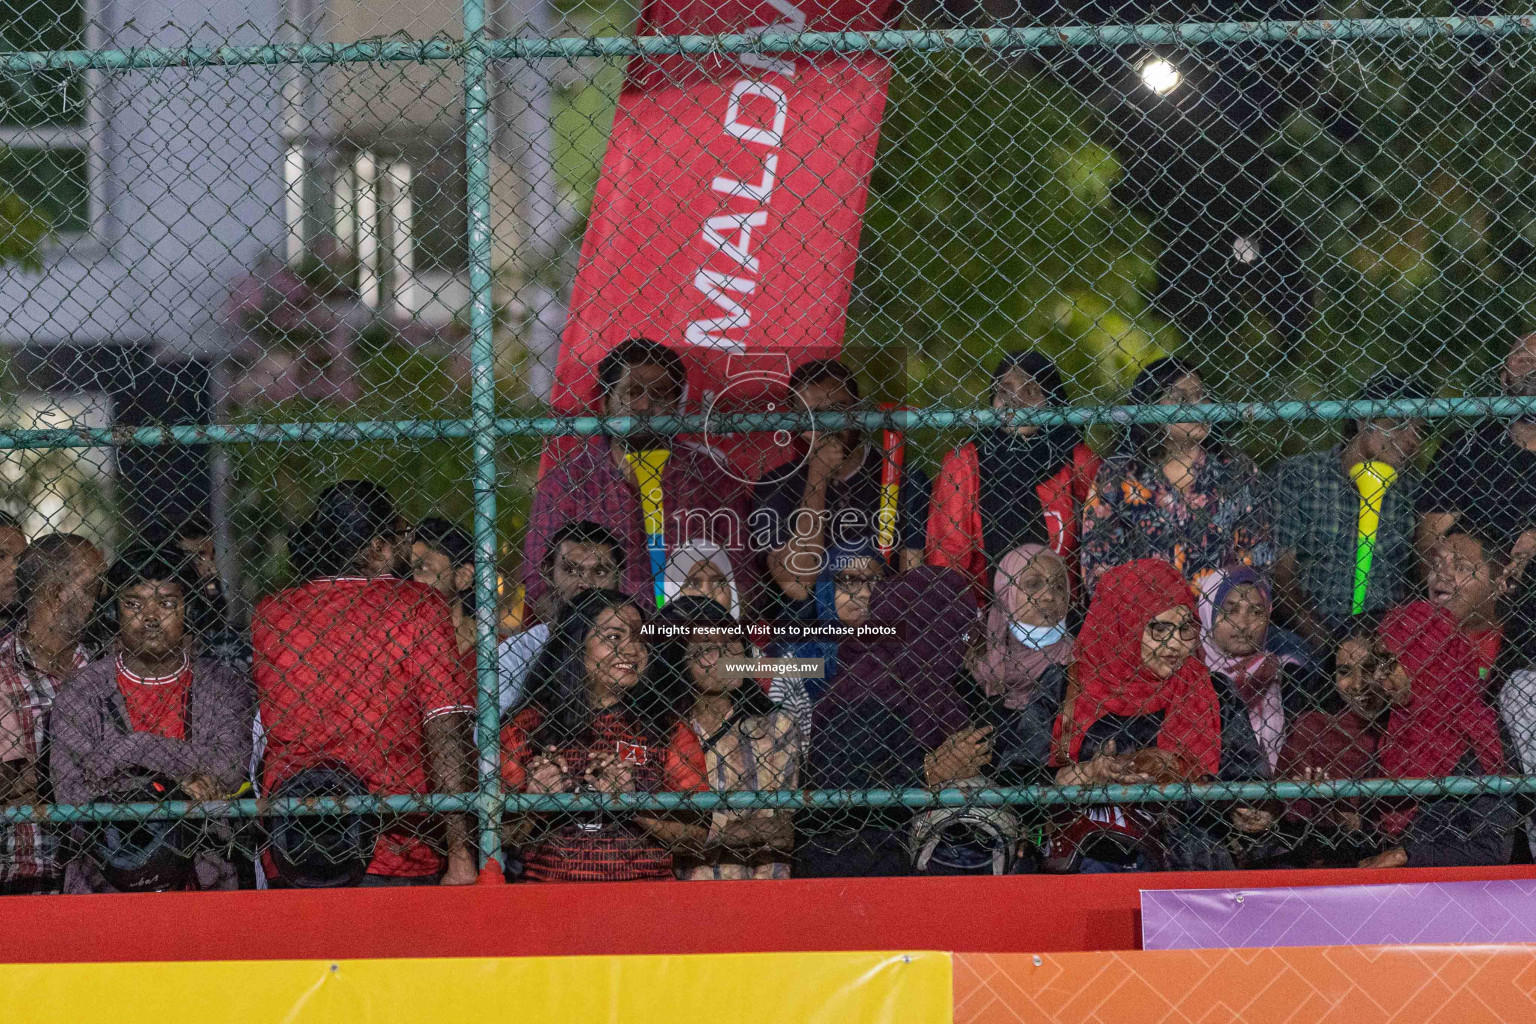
[(701, 568)]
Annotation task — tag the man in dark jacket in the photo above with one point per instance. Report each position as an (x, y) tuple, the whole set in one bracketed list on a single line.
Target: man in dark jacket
[(151, 709)]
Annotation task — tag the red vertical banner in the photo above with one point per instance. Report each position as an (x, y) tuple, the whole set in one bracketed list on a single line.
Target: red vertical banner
[(727, 217)]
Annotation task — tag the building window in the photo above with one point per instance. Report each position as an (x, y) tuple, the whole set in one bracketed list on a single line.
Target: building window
[(383, 210), (45, 137)]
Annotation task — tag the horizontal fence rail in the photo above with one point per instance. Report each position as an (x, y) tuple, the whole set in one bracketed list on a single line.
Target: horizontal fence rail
[(893, 40), (741, 423), (989, 796)]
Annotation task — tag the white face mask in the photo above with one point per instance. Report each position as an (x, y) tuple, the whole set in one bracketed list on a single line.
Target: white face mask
[(1038, 637)]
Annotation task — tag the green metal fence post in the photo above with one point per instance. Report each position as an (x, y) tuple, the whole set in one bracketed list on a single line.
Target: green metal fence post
[(477, 158)]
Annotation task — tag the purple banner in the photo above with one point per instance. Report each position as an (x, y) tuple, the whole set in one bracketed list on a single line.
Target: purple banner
[(1339, 915)]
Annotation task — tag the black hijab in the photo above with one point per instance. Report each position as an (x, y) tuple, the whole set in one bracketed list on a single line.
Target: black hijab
[(935, 612), (1011, 467)]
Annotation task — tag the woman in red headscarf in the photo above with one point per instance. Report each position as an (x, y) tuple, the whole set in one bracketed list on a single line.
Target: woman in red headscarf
[(1139, 708), (1446, 728), (1137, 686)]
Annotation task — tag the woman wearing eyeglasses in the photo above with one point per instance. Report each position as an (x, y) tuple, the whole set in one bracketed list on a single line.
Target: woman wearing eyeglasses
[(1139, 708), (597, 722), (842, 595)]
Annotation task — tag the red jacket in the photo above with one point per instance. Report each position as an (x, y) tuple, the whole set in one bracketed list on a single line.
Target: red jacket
[(954, 511)]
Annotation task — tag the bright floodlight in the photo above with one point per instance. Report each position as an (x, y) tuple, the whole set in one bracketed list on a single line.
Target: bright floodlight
[(1161, 76)]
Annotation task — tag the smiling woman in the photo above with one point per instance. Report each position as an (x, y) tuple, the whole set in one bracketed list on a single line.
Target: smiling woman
[(1264, 675), (736, 737), (598, 721)]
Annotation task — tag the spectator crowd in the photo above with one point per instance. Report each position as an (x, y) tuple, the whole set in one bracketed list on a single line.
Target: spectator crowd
[(1159, 613)]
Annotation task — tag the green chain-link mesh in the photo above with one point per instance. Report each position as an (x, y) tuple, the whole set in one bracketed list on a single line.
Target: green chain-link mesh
[(245, 253)]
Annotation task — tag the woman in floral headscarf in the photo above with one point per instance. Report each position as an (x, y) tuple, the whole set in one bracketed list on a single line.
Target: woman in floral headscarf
[(1265, 681), (1265, 673)]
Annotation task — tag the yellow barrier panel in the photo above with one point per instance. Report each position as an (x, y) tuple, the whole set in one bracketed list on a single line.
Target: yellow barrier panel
[(748, 988)]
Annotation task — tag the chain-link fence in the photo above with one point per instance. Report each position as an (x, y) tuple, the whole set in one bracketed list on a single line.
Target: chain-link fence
[(746, 440)]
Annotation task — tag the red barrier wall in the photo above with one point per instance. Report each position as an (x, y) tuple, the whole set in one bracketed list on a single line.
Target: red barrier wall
[(1018, 914)]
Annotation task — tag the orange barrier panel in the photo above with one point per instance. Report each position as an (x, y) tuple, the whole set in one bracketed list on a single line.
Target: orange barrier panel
[(1319, 985)]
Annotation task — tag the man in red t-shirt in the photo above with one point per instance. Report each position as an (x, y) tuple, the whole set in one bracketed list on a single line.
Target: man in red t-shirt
[(151, 708), (359, 669)]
